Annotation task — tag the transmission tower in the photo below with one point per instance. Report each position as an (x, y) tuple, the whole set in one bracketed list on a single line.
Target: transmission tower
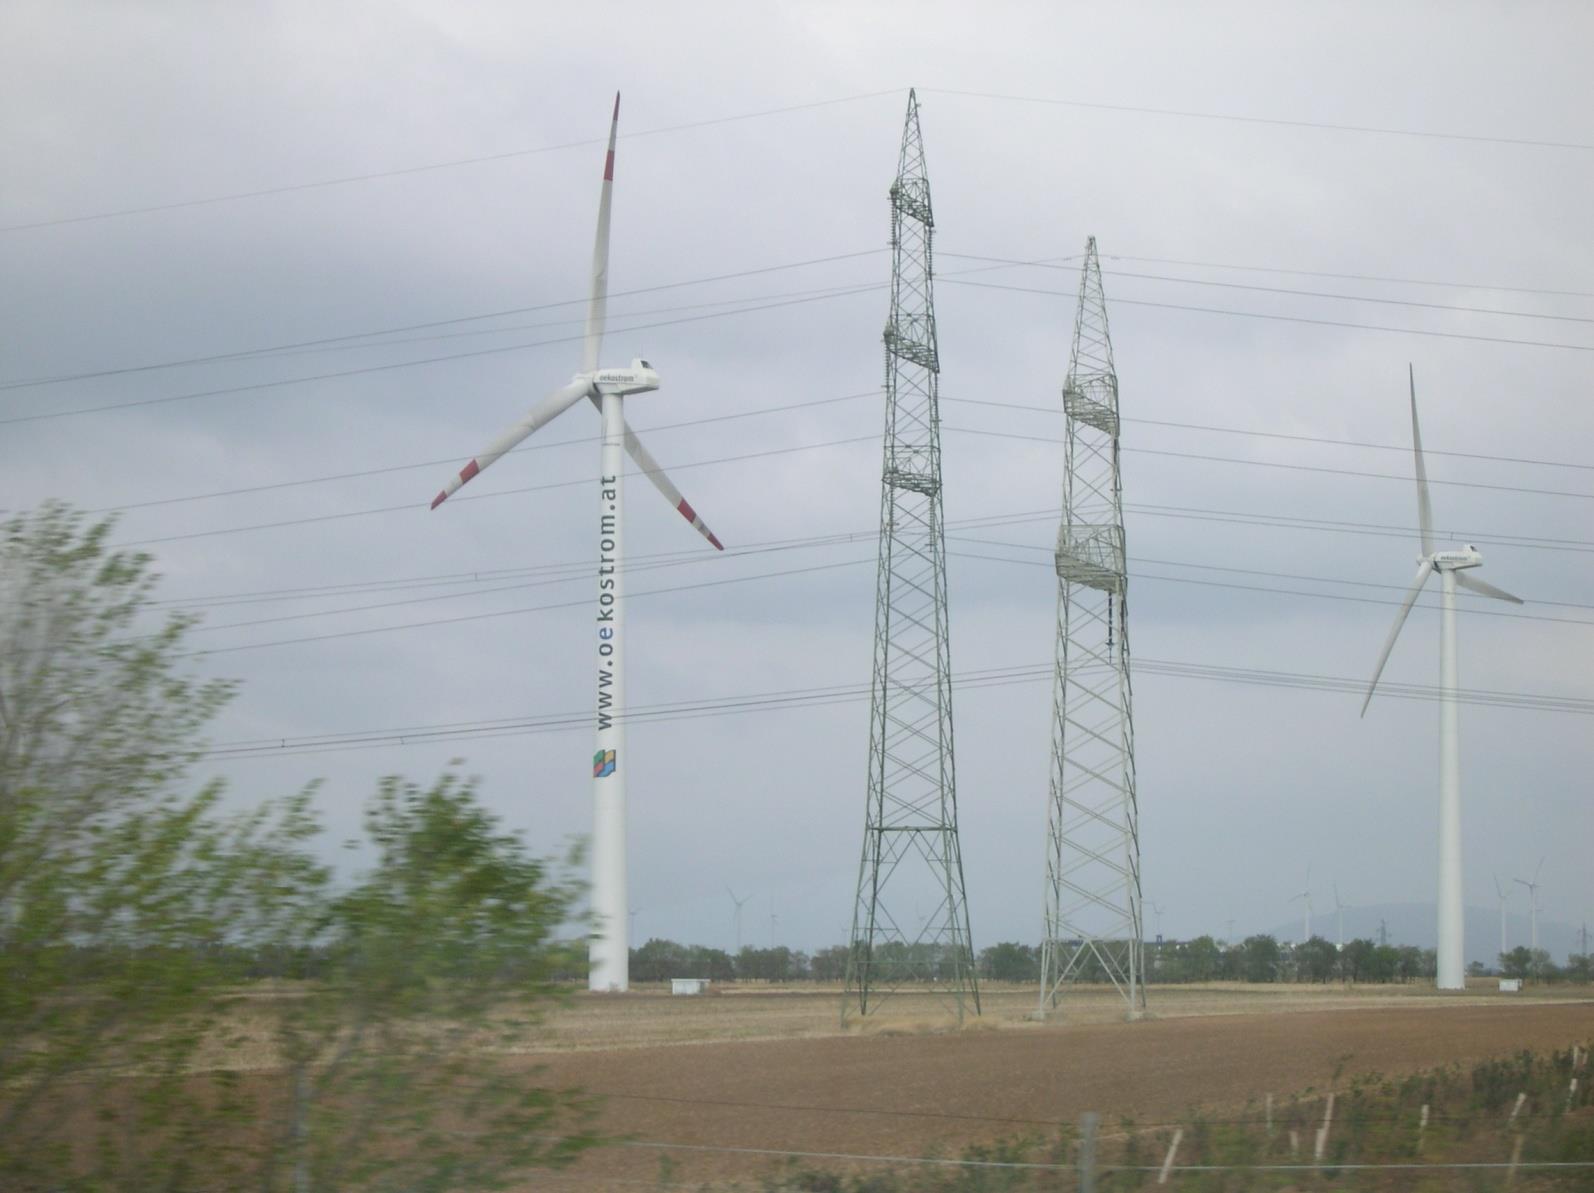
[(1093, 901), (911, 858)]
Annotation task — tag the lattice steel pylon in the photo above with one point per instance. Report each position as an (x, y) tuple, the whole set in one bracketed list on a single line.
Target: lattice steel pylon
[(910, 918), (1093, 928)]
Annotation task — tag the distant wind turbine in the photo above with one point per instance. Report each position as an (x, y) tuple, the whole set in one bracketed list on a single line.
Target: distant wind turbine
[(1307, 896), (738, 914), (1339, 911), (1501, 894), (606, 389), (1533, 901), (1452, 565)]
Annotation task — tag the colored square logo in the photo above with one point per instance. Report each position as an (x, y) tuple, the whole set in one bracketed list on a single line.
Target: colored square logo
[(603, 764)]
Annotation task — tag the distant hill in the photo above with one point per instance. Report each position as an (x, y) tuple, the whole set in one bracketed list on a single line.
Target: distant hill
[(1415, 923)]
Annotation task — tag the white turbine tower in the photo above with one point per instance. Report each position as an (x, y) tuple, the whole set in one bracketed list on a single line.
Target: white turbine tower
[(605, 388), (1307, 896), (1533, 902), (1451, 564), (1339, 911), (1502, 896)]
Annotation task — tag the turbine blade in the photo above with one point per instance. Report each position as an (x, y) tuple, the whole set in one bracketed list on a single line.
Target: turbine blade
[(1424, 507), (598, 304), (543, 412), (1424, 570), (1484, 588), (661, 481)]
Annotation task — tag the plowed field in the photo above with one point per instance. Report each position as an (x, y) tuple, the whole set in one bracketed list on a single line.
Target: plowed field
[(906, 1087)]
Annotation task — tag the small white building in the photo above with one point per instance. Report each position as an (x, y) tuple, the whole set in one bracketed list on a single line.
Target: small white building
[(1510, 985), (688, 985)]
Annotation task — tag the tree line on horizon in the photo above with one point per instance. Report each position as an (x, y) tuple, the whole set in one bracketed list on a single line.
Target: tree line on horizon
[(1259, 959)]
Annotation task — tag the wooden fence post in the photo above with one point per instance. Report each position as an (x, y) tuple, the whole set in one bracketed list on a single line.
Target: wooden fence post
[(1322, 1132), (1088, 1123), (1167, 1161)]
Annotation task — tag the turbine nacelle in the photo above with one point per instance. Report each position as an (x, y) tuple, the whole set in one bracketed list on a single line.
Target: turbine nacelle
[(1455, 559), (640, 378)]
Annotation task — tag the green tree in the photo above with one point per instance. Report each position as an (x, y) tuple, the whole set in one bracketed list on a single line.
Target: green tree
[(1518, 963), (1315, 960), (1356, 962), (829, 964), (132, 913), (114, 873), (1202, 958), (1009, 961), (396, 1067), (1261, 959)]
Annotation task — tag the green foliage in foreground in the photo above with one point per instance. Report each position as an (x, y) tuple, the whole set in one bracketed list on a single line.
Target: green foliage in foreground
[(1377, 1122), (134, 1052)]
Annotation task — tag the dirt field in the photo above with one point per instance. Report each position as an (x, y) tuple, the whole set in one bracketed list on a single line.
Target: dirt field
[(775, 1071)]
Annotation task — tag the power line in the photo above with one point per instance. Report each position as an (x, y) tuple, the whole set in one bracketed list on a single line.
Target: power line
[(1410, 331), (406, 364), (349, 340), (801, 299), (1290, 466), (1396, 302), (387, 509), (366, 631), (824, 567), (417, 506), (325, 341), (446, 165), (508, 580), (541, 446), (1269, 120), (1350, 277), (826, 695), (1402, 448), (1180, 563), (652, 563), (454, 459), (1316, 596), (1372, 529)]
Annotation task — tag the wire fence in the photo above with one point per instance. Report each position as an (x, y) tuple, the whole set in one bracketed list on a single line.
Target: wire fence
[(1523, 1122)]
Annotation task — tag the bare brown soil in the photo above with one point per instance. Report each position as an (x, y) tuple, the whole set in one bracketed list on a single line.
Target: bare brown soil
[(912, 1085)]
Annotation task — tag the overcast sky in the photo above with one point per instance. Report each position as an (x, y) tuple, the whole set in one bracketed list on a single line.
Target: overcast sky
[(1269, 278)]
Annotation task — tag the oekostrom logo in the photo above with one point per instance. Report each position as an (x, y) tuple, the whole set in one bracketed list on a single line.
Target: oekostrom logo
[(603, 764)]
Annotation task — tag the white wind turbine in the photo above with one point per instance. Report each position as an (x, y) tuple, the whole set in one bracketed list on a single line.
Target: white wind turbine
[(1533, 902), (737, 915), (605, 388), (1307, 896), (1451, 564), (1339, 911), (1502, 896)]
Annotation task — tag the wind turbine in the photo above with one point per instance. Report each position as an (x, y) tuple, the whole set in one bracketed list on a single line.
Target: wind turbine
[(1533, 901), (1306, 895), (1451, 564), (737, 915), (1339, 911), (606, 389), (1502, 896)]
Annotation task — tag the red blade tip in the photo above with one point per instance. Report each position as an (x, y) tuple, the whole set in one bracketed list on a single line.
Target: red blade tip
[(439, 499)]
